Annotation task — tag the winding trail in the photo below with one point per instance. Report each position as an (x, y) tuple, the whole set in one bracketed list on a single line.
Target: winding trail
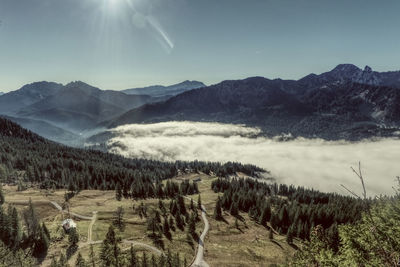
[(83, 217), (199, 260), (94, 217)]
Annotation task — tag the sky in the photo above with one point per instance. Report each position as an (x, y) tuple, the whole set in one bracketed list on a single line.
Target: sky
[(120, 44)]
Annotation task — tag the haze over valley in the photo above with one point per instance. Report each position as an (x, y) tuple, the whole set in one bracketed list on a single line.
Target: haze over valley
[(314, 163)]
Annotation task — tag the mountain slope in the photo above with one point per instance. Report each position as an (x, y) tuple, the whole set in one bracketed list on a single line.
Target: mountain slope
[(27, 95), (346, 102), (162, 91), (240, 101), (47, 130), (79, 106)]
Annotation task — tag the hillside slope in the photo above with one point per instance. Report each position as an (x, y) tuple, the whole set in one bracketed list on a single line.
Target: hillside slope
[(346, 102)]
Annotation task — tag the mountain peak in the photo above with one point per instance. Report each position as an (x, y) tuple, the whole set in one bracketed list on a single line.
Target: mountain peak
[(346, 68), (77, 84), (38, 85), (367, 69)]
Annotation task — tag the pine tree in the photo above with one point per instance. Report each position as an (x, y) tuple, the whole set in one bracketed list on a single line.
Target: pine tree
[(289, 235), (73, 237), (80, 261), (2, 200), (118, 192), (218, 210), (169, 259), (110, 251), (133, 262), (31, 221), (166, 229), (16, 229), (40, 244), (62, 262), (181, 205), (191, 227), (119, 220), (237, 224), (177, 260), (171, 223), (179, 221), (162, 207), (144, 260), (265, 215), (191, 205), (153, 261), (46, 231), (53, 262), (234, 209), (284, 219), (162, 261), (92, 257)]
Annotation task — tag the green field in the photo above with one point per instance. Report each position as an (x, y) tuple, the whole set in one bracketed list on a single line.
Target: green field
[(225, 245)]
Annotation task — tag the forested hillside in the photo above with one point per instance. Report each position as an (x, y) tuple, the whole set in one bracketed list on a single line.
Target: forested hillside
[(51, 165)]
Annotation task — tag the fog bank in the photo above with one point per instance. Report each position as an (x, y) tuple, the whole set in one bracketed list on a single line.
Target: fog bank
[(316, 163)]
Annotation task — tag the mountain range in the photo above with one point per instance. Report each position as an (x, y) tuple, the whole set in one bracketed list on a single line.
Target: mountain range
[(165, 91), (62, 112), (344, 103)]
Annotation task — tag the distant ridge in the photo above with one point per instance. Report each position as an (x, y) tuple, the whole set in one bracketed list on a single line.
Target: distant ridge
[(344, 103), (160, 90)]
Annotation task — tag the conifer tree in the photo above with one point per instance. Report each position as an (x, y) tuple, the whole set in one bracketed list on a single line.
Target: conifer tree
[(92, 257), (144, 260), (110, 250), (80, 261), (199, 202), (191, 227), (166, 228), (118, 192), (73, 237), (237, 224), (62, 262), (119, 220), (153, 261), (16, 229), (289, 235), (133, 262), (265, 215), (54, 262), (191, 205), (218, 210), (2, 200), (162, 261), (171, 223), (177, 260)]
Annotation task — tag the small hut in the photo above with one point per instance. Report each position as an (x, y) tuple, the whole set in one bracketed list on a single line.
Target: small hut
[(68, 224)]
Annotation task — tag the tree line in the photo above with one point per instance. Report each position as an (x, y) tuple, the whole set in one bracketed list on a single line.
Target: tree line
[(290, 210), (54, 166)]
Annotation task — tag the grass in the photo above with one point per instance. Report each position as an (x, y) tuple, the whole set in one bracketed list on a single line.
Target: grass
[(224, 245)]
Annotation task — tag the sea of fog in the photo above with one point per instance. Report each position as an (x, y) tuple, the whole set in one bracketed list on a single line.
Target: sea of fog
[(315, 163)]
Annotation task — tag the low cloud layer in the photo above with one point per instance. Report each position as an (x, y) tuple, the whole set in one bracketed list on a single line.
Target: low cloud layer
[(316, 163)]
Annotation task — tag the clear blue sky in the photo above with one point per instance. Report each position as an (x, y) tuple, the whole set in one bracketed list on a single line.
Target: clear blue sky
[(117, 44)]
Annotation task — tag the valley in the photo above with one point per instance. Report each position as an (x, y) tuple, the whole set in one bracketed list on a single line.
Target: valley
[(93, 211)]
